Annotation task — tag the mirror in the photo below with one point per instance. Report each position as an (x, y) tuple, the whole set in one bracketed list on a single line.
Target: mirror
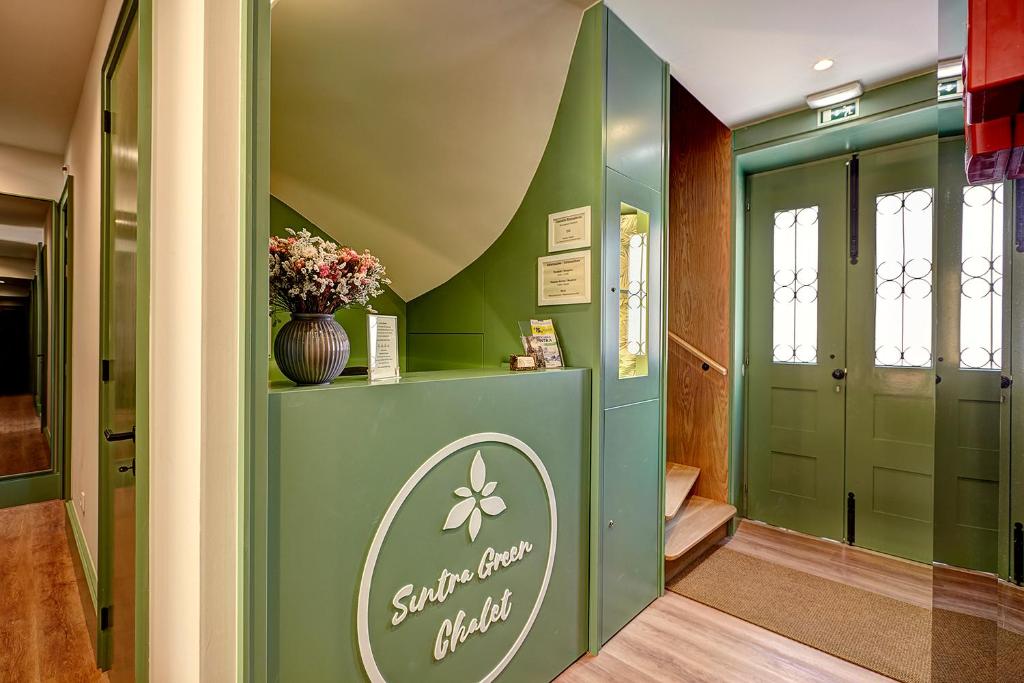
[(24, 326)]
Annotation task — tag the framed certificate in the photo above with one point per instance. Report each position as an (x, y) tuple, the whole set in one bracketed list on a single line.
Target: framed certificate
[(382, 347), (563, 279), (569, 229)]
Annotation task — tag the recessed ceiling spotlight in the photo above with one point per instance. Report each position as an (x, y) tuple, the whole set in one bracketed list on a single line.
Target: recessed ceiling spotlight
[(824, 64)]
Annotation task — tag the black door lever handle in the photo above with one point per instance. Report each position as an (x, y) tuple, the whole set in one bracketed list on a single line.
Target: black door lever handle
[(119, 436)]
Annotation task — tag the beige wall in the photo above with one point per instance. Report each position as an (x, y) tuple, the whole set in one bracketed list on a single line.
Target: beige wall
[(30, 174), (194, 342), (83, 161), (222, 302)]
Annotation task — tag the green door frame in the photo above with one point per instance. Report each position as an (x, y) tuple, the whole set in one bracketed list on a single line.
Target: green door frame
[(895, 113), (254, 663), (61, 366), (130, 11)]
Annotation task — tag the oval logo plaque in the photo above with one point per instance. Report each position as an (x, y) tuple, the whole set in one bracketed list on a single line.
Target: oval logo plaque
[(459, 566)]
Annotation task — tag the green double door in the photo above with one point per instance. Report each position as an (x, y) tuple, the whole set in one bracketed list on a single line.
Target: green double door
[(841, 350)]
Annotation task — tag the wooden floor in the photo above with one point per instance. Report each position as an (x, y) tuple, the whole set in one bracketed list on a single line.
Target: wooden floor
[(43, 635), (22, 446), (886, 575), (677, 639)]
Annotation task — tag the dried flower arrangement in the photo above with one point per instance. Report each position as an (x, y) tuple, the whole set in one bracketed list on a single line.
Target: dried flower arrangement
[(311, 275)]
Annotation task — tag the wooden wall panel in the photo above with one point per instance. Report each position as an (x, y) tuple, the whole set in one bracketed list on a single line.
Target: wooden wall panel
[(698, 417), (700, 256)]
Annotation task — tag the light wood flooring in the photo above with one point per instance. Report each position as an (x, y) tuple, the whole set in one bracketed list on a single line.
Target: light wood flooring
[(678, 639), (22, 445), (43, 633)]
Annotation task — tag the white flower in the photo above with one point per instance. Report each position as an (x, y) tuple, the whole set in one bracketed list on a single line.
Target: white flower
[(471, 505)]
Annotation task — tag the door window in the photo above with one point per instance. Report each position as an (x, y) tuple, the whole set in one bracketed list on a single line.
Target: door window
[(903, 279), (634, 235), (981, 278), (795, 286)]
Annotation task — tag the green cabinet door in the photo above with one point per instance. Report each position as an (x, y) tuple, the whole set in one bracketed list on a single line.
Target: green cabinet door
[(797, 323), (969, 361), (890, 428), (632, 292), (631, 513)]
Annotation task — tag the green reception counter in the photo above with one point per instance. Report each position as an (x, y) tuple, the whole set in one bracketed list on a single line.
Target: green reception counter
[(430, 530)]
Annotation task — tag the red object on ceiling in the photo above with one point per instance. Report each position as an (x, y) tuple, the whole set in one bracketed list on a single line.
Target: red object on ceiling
[(989, 145), (994, 90), (994, 63)]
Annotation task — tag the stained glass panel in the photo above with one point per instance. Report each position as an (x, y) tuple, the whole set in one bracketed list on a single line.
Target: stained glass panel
[(634, 234)]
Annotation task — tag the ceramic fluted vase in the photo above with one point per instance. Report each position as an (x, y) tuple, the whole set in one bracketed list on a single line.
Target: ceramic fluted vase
[(312, 348)]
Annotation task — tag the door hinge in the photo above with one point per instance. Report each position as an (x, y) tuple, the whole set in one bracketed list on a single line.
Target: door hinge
[(851, 518), (106, 121), (105, 370), (106, 617), (853, 196)]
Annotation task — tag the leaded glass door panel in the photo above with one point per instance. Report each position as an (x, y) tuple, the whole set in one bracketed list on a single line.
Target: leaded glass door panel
[(890, 381), (967, 428), (797, 323)]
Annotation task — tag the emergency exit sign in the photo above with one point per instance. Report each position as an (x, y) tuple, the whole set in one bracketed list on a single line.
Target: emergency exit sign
[(838, 113)]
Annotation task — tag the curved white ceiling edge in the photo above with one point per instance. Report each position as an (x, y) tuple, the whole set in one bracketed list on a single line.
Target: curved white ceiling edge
[(415, 129)]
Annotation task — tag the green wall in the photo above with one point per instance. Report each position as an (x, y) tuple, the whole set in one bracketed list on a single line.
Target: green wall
[(470, 321), (353, 320)]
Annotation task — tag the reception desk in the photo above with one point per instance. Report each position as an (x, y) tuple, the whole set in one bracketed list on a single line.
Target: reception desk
[(430, 530)]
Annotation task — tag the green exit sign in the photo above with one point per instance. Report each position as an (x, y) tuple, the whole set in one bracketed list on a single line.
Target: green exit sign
[(838, 113), (950, 89)]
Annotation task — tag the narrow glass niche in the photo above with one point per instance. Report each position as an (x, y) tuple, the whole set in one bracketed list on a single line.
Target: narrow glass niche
[(634, 237)]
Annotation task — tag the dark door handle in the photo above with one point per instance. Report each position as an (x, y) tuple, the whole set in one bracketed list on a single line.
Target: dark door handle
[(119, 436), (839, 373), (127, 468), (1005, 382)]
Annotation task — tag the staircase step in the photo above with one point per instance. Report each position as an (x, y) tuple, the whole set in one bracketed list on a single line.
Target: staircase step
[(698, 519), (679, 479)]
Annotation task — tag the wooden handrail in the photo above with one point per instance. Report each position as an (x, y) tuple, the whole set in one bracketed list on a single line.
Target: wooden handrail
[(704, 358)]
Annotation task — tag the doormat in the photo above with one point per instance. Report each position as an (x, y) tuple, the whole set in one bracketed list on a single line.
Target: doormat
[(870, 630)]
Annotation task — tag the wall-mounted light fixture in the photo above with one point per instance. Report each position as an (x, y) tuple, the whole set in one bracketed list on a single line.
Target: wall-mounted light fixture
[(950, 68), (826, 98)]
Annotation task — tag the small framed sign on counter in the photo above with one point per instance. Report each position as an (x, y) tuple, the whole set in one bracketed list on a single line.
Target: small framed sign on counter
[(563, 279), (569, 229), (382, 347)]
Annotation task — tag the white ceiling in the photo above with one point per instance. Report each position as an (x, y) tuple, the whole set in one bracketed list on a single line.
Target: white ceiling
[(413, 129), (45, 46), (747, 60)]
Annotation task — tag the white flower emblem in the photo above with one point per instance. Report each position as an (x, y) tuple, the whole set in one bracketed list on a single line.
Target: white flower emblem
[(470, 507)]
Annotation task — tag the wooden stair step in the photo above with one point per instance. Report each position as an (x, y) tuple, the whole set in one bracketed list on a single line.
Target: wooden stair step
[(698, 518), (679, 479)]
